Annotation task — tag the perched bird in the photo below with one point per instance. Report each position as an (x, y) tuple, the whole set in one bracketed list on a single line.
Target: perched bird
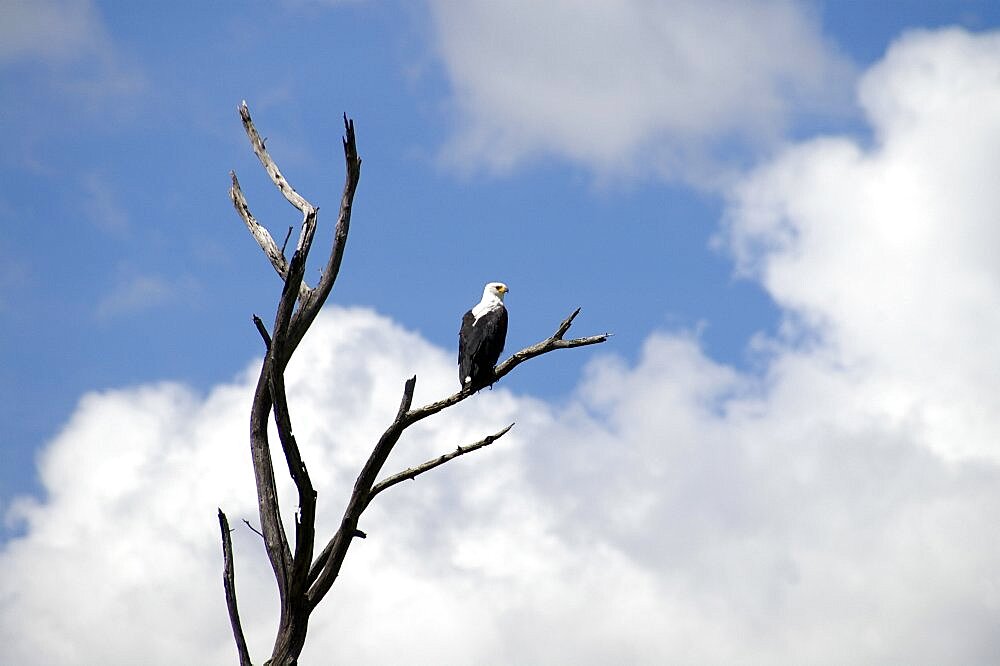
[(481, 339)]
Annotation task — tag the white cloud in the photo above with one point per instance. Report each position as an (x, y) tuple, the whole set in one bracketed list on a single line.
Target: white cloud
[(890, 251), (675, 512), (838, 508), (126, 536), (626, 86)]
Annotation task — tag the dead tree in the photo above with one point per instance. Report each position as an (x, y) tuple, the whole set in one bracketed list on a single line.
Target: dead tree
[(304, 577)]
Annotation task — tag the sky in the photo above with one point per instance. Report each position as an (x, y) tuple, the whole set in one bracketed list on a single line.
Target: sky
[(787, 214)]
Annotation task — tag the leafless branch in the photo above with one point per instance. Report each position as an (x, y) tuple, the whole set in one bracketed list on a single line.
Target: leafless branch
[(306, 519), (325, 572), (260, 234), (259, 323), (327, 566), (414, 472), (275, 541), (312, 304), (290, 568), (303, 580), (555, 341), (229, 583), (269, 165), (253, 529)]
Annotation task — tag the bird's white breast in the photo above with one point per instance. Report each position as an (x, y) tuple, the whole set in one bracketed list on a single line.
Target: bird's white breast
[(483, 308)]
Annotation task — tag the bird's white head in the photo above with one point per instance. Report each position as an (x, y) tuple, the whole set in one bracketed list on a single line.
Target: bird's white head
[(495, 290)]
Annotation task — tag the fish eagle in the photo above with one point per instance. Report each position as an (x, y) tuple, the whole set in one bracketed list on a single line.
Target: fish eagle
[(481, 338)]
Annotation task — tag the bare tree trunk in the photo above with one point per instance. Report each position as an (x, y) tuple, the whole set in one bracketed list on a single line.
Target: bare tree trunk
[(302, 578)]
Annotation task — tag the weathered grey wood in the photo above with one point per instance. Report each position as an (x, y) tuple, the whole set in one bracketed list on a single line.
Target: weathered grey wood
[(302, 579), (260, 234), (229, 584), (413, 472), (269, 165)]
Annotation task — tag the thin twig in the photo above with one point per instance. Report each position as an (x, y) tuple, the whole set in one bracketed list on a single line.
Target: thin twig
[(553, 342), (414, 472), (262, 330), (253, 529), (564, 326)]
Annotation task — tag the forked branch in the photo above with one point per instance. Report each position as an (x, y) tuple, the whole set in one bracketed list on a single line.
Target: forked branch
[(327, 566), (414, 472), (261, 235), (302, 580), (290, 566)]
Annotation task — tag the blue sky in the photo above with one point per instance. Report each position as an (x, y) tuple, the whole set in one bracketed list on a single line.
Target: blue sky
[(127, 264), (626, 158)]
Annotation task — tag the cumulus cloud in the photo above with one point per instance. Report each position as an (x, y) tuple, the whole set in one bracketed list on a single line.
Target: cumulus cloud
[(620, 86), (837, 507), (889, 250)]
